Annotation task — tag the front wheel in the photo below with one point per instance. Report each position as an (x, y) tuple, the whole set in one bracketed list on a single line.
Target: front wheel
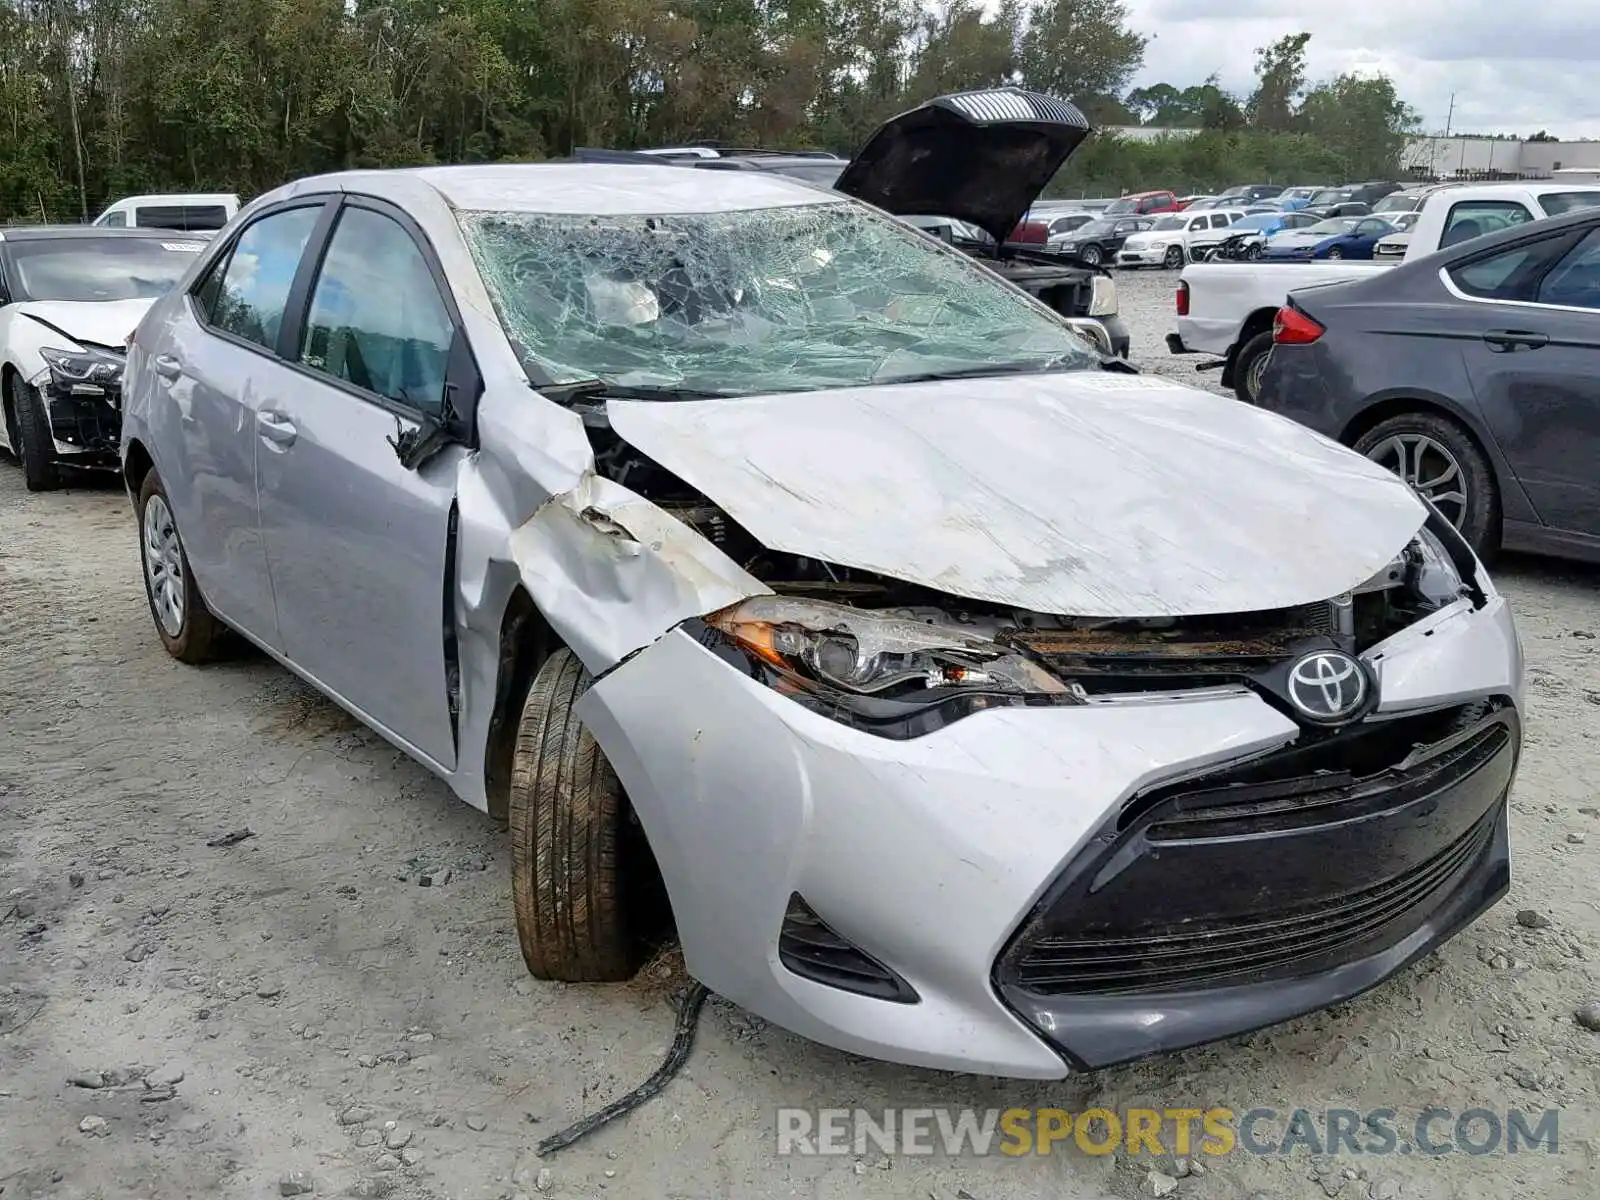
[(1091, 255), (1174, 258), (1336, 253), (186, 627), (1253, 253), (588, 899), (1438, 458), (35, 445)]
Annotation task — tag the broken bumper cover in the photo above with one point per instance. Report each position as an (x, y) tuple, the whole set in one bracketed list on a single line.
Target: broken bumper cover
[(86, 428), (936, 856)]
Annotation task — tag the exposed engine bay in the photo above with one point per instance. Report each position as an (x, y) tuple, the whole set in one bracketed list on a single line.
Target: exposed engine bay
[(1093, 654)]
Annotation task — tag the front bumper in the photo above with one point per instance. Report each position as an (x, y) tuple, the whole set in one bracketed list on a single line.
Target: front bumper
[(939, 856), (86, 428), (1141, 256)]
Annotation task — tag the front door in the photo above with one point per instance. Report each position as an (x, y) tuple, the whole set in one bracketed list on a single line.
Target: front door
[(357, 543), (1535, 368)]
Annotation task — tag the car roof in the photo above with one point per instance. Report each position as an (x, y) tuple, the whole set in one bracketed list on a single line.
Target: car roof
[(176, 198), (35, 233), (576, 189)]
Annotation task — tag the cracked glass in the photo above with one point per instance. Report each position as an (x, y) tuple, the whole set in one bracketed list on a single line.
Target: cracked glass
[(797, 298)]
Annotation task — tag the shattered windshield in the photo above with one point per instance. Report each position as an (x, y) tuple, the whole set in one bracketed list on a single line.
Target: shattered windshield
[(762, 300)]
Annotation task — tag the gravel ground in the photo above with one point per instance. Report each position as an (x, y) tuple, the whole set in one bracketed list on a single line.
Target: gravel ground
[(180, 1019)]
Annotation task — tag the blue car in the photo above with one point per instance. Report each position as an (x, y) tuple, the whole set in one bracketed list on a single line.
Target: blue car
[(1337, 237), (1298, 197)]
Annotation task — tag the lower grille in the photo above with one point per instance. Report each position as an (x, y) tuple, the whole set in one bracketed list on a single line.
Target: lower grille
[(1319, 853), (1212, 952)]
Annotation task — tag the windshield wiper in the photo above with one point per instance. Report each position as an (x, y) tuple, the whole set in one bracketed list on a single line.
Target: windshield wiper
[(604, 389), (982, 370)]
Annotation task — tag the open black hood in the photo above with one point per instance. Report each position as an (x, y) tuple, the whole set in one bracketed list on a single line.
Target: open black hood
[(980, 157)]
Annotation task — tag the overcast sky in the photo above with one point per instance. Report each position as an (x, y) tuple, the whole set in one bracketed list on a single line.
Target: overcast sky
[(1514, 67)]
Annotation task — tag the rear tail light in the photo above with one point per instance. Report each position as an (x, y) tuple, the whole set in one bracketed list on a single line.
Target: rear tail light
[(1183, 298), (1291, 327)]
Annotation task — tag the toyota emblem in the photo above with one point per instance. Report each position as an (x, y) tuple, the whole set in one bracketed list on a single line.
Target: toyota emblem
[(1327, 686)]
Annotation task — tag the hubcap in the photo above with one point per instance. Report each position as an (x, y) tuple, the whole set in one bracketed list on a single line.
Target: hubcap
[(1253, 377), (163, 566), (1428, 467)]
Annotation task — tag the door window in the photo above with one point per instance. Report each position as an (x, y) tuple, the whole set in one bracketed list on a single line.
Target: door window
[(115, 220), (1575, 280), (1373, 228), (1219, 220), (1556, 203), (1197, 223), (183, 217), (377, 320), (247, 295), (1513, 274), (1474, 218)]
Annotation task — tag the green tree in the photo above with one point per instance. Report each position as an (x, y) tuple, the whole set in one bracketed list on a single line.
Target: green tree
[(1080, 49), (1280, 78)]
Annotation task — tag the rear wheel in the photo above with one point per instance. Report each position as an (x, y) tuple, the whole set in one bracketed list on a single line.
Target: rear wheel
[(1091, 255), (589, 904), (35, 447), (186, 627), (1250, 366), (1438, 458), (1174, 258)]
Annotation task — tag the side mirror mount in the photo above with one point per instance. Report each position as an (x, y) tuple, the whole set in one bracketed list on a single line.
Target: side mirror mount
[(1093, 332)]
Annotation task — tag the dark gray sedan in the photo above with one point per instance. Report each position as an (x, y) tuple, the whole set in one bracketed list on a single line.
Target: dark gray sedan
[(1474, 373)]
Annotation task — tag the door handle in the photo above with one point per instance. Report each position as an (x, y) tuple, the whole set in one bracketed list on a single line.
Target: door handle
[(1502, 341), (277, 428), (167, 366)]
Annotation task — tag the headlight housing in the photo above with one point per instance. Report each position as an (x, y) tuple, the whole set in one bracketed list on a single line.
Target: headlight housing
[(1102, 296), (84, 372), (893, 676)]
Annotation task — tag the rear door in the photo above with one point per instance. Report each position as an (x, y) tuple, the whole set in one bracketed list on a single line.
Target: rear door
[(359, 543), (214, 366), (1535, 367)]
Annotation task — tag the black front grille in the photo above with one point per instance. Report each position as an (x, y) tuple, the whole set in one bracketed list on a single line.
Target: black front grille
[(1210, 952), (810, 948), (1321, 852)]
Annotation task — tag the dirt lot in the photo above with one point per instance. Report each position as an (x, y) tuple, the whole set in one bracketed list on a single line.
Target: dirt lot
[(271, 1006)]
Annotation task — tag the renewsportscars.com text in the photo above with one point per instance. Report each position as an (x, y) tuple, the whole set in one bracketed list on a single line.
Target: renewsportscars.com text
[(954, 1132)]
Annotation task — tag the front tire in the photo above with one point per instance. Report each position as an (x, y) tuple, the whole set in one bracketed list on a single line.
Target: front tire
[(1249, 367), (1173, 259), (186, 627), (1438, 458), (1091, 255), (36, 448), (585, 887), (1336, 253)]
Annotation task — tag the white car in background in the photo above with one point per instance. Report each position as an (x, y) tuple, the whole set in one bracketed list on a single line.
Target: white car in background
[(1167, 242), (69, 297), (187, 212), (1394, 245)]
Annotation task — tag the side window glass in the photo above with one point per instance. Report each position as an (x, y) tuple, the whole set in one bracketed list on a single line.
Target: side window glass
[(1513, 274), (1575, 280), (116, 220), (248, 296), (1474, 218), (1219, 220), (376, 318)]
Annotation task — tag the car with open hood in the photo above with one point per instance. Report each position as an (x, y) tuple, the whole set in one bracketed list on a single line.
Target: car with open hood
[(966, 168), (786, 579), (69, 295)]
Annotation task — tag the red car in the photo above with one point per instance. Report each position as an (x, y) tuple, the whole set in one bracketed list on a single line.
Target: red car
[(1142, 204)]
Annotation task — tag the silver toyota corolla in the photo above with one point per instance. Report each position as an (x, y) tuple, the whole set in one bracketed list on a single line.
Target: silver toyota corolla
[(792, 582)]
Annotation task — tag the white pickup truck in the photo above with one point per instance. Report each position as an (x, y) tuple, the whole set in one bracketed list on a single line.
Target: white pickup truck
[(1225, 309)]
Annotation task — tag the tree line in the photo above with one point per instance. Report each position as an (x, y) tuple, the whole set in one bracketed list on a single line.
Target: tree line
[(104, 98)]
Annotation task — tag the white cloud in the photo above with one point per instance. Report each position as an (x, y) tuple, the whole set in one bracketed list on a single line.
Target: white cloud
[(1512, 69)]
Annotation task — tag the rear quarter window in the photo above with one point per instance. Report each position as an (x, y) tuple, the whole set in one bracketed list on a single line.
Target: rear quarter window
[(1556, 203)]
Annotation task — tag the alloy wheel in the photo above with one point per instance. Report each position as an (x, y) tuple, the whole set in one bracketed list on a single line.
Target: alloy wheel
[(1429, 468), (1254, 376), (163, 565), (1091, 255)]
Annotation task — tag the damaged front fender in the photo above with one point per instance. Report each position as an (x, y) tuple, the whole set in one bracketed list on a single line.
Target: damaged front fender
[(612, 572)]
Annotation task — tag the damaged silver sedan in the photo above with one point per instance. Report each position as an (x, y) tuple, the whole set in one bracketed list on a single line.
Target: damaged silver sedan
[(792, 583)]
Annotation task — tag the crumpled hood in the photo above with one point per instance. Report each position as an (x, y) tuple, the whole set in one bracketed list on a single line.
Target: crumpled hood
[(981, 157), (1083, 493), (102, 322)]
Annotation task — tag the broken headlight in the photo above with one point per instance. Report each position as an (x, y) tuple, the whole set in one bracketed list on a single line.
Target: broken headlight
[(83, 372), (889, 675)]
